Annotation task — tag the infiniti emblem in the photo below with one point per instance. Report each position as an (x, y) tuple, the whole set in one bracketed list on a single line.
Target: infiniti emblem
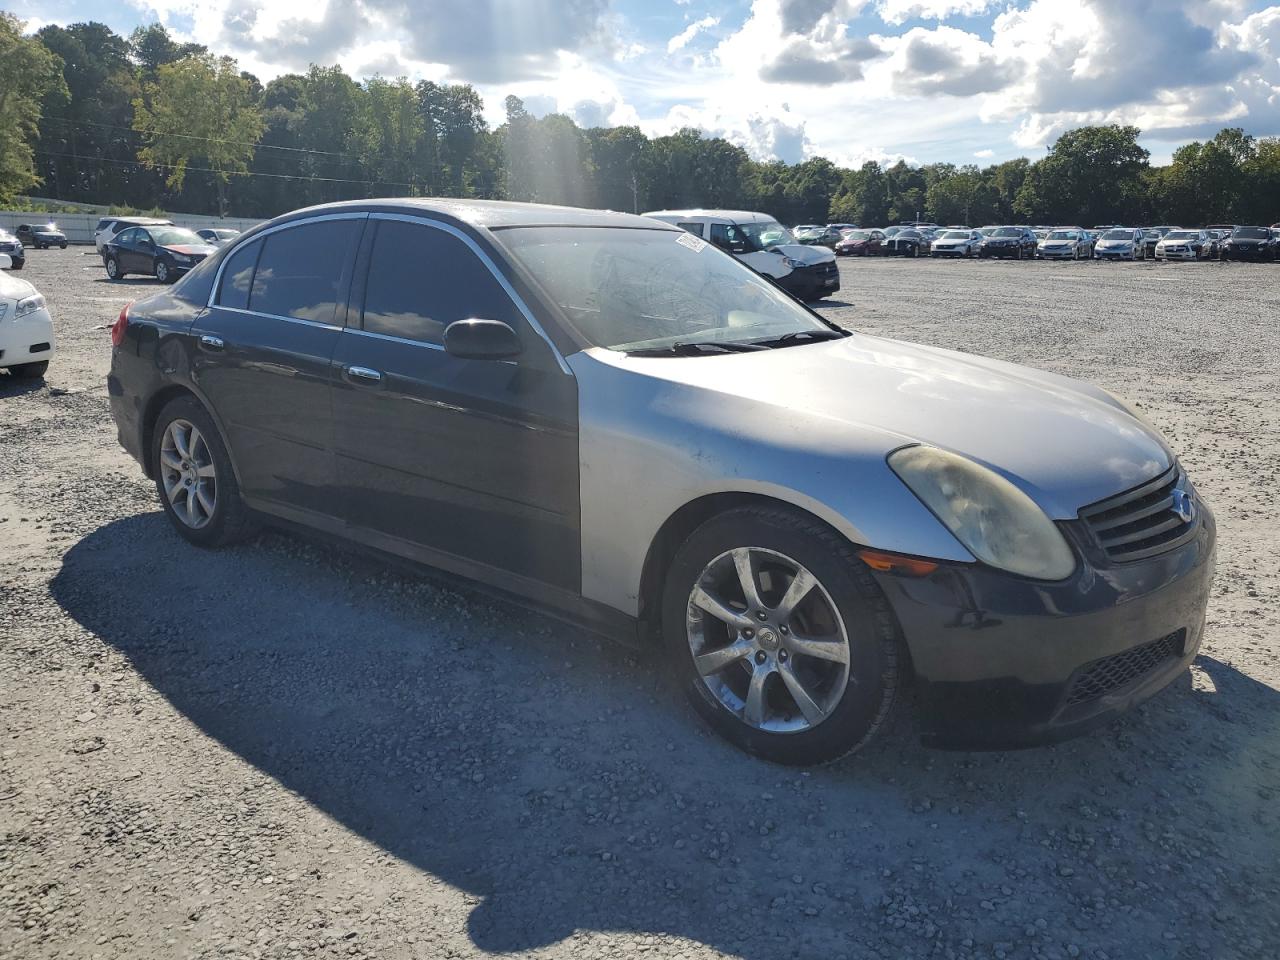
[(1183, 505)]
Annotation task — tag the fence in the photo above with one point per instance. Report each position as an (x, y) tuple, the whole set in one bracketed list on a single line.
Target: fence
[(79, 227)]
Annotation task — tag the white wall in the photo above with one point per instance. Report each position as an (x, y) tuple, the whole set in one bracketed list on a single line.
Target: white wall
[(79, 227)]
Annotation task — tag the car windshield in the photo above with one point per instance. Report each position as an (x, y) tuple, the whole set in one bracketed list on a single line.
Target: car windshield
[(768, 234), (1062, 235), (1251, 233), (45, 228), (1118, 235), (170, 236), (955, 235), (634, 289), (1182, 235), (856, 235), (5, 235), (1007, 232)]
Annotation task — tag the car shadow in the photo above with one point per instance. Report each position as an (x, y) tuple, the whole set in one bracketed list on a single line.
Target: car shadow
[(553, 778), (128, 281), (15, 386)]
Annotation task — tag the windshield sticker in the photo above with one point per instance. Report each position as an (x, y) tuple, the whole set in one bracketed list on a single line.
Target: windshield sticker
[(696, 244)]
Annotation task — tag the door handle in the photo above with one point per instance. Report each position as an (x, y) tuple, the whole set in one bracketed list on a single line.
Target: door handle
[(365, 373), (211, 343)]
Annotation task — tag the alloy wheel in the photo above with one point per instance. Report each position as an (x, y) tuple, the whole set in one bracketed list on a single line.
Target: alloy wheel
[(767, 640), (188, 474)]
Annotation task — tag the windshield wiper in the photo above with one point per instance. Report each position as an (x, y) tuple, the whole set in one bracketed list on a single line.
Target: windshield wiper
[(801, 336), (698, 348)]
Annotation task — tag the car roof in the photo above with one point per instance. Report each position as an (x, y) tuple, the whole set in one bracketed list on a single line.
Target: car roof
[(725, 216), (486, 213)]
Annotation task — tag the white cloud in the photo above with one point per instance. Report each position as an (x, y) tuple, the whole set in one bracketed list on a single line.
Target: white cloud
[(681, 39), (900, 11), (984, 154)]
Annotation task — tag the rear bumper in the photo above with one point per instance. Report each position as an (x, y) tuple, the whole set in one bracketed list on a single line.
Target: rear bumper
[(1003, 662)]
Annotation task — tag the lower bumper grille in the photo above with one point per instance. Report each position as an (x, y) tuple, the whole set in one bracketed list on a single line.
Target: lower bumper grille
[(1101, 677)]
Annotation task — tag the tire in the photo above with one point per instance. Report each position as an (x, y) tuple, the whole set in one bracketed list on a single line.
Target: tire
[(113, 268), (164, 273), (18, 264), (62, 246), (30, 371), (855, 699), (230, 520)]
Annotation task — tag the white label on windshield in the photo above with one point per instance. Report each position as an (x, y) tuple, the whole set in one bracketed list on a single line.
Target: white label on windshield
[(696, 244)]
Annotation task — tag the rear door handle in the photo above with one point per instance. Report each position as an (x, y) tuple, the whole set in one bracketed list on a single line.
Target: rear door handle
[(364, 373), (212, 343)]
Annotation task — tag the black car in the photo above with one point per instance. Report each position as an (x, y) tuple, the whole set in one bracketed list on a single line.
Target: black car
[(1250, 243), (11, 245), (907, 242), (41, 235), (165, 253), (1014, 243)]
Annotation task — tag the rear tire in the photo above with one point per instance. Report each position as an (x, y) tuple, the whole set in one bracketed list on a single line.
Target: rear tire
[(230, 520), (30, 371), (843, 601)]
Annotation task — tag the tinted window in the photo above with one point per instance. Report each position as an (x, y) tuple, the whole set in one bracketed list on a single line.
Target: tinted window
[(302, 272), (128, 236), (237, 276), (723, 234), (196, 285), (422, 279), (694, 228)]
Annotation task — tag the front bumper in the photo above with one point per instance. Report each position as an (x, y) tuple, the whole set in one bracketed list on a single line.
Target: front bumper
[(813, 281), (1248, 253), (1122, 253), (1164, 253), (28, 339), (1057, 253), (1001, 662), (1002, 251)]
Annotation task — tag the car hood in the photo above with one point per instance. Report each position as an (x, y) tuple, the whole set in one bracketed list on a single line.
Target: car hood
[(191, 249), (11, 288), (805, 253), (1066, 443), (1116, 243)]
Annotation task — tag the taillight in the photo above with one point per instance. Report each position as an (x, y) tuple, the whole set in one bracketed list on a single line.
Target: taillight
[(121, 325)]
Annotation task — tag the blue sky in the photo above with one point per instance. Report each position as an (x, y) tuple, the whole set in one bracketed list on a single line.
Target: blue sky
[(966, 81)]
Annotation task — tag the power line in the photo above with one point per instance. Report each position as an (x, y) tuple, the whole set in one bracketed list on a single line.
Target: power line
[(229, 173), (192, 136)]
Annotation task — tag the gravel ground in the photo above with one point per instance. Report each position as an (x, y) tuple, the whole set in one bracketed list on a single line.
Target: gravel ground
[(285, 750)]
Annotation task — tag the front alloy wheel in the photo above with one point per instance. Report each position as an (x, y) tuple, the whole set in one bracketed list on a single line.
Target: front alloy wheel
[(162, 271)]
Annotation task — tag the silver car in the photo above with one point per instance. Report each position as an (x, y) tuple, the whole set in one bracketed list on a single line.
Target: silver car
[(1121, 243), (956, 243), (1070, 243), (615, 420)]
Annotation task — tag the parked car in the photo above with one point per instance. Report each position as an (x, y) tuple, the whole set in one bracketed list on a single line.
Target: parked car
[(842, 227), (921, 225), (1121, 243), (1017, 243), (165, 253), (11, 247), (108, 227), (827, 236), (759, 241), (217, 236), (796, 542), (890, 231), (1071, 243), (1250, 243), (41, 235), (1184, 245), (907, 242), (1152, 235), (860, 243), (956, 243), (26, 329), (1224, 228)]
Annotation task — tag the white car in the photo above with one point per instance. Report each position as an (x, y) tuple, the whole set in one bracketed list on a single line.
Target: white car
[(108, 227), (26, 329), (1184, 245), (956, 243), (807, 272)]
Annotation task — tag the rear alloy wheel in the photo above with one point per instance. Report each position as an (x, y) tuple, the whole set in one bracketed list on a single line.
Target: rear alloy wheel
[(779, 637), (193, 475)]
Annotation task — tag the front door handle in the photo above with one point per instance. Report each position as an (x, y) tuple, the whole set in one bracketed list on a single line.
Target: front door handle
[(211, 343), (365, 373)]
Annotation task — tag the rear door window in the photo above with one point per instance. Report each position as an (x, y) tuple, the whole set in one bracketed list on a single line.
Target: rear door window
[(422, 279), (694, 228), (237, 276), (303, 271)]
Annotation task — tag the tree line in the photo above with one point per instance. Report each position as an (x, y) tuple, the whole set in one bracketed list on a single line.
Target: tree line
[(148, 122)]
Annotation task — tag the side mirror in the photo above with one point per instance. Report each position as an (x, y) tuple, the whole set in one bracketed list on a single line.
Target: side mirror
[(5, 261), (481, 340)]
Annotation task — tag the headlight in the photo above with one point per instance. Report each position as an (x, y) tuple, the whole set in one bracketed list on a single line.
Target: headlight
[(29, 305), (181, 258), (793, 264), (993, 519)]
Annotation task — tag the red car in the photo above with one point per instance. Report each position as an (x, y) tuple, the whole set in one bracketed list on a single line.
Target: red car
[(859, 243)]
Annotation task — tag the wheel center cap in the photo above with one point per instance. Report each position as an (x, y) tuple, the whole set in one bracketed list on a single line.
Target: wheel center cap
[(768, 639)]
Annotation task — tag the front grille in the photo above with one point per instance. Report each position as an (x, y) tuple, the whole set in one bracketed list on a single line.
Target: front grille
[(1147, 520), (826, 269), (4, 308), (1101, 677)]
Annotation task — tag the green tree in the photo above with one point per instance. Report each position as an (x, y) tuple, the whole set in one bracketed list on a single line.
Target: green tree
[(1093, 174), (199, 108), (152, 48), (29, 75), (388, 131)]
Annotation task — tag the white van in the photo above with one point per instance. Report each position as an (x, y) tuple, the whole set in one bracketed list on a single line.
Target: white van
[(758, 240)]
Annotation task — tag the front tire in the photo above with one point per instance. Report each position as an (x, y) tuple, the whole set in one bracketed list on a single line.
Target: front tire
[(164, 273), (779, 637), (194, 477), (113, 268)]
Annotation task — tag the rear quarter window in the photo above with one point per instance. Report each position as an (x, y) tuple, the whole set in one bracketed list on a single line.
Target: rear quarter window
[(237, 276)]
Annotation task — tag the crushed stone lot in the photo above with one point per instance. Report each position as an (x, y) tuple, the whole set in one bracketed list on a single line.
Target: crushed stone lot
[(287, 750)]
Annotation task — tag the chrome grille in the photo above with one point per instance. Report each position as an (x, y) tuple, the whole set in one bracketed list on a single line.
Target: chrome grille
[(1144, 521), (1100, 677)]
